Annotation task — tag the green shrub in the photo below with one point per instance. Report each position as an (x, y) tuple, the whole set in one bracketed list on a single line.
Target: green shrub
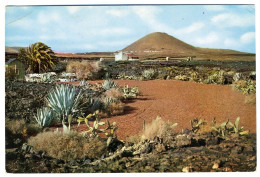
[(68, 146)]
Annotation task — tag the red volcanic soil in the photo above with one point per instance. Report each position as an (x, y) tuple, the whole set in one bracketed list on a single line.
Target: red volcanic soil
[(179, 102)]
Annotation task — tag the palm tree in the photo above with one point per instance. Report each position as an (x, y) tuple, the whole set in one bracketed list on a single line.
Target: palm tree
[(40, 57)]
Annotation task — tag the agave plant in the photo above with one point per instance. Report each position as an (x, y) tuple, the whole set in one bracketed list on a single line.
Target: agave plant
[(64, 101), (108, 84), (44, 116)]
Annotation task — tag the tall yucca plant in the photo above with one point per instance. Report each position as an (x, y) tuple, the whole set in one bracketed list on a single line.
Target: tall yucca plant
[(64, 101), (40, 57)]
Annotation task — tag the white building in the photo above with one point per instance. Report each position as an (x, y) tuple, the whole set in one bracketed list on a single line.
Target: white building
[(122, 56)]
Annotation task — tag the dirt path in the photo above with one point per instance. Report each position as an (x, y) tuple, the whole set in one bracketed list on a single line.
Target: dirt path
[(180, 102)]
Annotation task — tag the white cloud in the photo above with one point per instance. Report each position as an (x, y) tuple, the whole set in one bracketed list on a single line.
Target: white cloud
[(19, 38), (57, 36), (192, 28), (148, 14), (211, 38), (73, 9), (88, 46), (117, 12), (229, 42), (115, 43), (113, 31), (214, 7), (247, 37), (233, 20), (44, 18), (22, 24)]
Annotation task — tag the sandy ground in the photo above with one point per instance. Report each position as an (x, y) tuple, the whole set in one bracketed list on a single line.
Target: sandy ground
[(179, 102)]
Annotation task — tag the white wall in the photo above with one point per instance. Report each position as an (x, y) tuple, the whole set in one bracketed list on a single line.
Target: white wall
[(121, 56)]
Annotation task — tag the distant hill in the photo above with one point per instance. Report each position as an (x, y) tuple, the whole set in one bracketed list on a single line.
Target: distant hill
[(160, 42), (13, 49), (156, 45)]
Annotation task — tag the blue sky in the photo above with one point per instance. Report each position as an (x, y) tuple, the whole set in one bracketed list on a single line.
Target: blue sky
[(111, 28)]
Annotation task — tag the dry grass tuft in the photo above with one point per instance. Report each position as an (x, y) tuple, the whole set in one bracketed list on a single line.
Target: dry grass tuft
[(68, 146), (15, 126), (21, 128), (133, 139), (250, 99), (158, 128), (114, 93), (116, 108)]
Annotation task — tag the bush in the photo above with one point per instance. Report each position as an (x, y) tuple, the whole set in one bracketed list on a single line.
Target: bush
[(130, 92), (115, 108), (109, 84), (10, 74), (250, 99), (114, 93), (158, 128), (84, 69), (112, 106), (19, 129), (68, 146), (135, 139), (245, 86), (15, 126), (149, 74)]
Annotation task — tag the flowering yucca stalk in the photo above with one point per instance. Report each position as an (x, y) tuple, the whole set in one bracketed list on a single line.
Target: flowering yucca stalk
[(64, 101)]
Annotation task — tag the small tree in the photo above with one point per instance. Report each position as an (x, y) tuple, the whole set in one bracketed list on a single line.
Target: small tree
[(22, 55), (38, 57)]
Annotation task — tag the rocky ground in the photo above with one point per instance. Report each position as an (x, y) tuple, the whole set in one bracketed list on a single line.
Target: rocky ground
[(186, 153), (175, 101), (203, 68), (23, 98)]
